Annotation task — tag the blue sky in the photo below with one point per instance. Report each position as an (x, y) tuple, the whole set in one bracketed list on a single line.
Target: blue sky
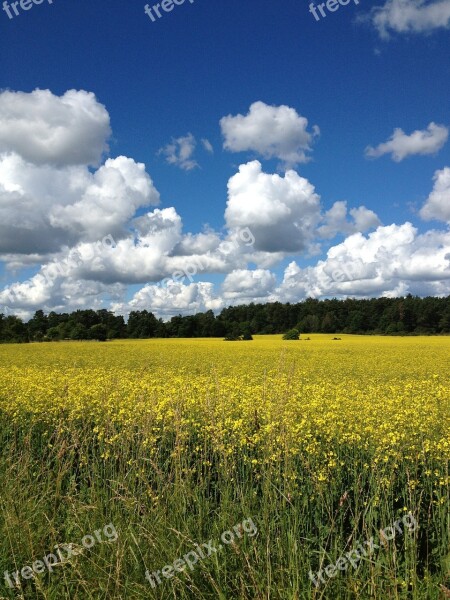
[(159, 88)]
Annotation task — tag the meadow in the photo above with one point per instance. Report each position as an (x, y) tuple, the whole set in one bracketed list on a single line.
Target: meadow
[(323, 444)]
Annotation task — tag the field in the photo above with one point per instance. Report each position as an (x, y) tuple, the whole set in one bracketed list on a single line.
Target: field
[(303, 453)]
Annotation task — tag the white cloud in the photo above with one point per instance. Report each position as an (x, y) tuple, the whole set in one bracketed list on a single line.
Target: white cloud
[(49, 291), (156, 252), (335, 220), (392, 260), (110, 199), (400, 145), (46, 129), (50, 198), (271, 131), (180, 152), (199, 243), (54, 215), (142, 257), (411, 16), (239, 286), (248, 286), (165, 302), (282, 212), (43, 208), (437, 205)]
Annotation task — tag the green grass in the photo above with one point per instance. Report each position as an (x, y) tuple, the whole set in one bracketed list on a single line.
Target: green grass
[(163, 507)]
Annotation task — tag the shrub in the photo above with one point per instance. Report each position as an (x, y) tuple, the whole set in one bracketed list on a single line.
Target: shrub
[(292, 334)]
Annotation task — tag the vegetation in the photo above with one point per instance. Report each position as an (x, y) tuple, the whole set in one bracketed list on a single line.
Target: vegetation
[(387, 316), (239, 334), (292, 334), (175, 441)]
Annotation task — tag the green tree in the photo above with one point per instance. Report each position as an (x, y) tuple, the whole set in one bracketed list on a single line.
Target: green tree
[(79, 332), (53, 334), (37, 326), (98, 332), (246, 334)]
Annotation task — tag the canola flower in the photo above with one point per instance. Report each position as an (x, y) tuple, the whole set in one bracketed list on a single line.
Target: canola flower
[(386, 398)]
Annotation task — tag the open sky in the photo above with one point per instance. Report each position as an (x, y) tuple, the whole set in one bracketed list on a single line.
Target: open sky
[(225, 152)]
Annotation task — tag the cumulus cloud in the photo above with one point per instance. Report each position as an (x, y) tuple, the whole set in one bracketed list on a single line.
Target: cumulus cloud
[(437, 205), (48, 290), (175, 299), (110, 199), (43, 208), (335, 220), (241, 285), (50, 196), (282, 212), (199, 243), (247, 285), (390, 261), (93, 231), (156, 251), (401, 145), (271, 131), (180, 151), (59, 130), (410, 16)]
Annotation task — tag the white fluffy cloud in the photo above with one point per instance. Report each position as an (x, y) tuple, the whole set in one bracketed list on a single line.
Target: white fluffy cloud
[(43, 208), (46, 129), (48, 290), (401, 145), (271, 131), (282, 212), (335, 220), (156, 251), (50, 198), (248, 286), (437, 205), (392, 260), (110, 199), (241, 285), (92, 233), (411, 16), (175, 299)]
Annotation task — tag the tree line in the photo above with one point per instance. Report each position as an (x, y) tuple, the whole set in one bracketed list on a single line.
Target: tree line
[(410, 315)]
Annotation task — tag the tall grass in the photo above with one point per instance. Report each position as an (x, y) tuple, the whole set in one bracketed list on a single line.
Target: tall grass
[(56, 486)]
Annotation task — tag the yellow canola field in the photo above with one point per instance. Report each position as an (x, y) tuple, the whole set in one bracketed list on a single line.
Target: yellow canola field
[(383, 399)]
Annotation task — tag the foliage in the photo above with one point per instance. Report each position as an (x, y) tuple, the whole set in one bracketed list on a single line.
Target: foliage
[(292, 334), (389, 316)]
